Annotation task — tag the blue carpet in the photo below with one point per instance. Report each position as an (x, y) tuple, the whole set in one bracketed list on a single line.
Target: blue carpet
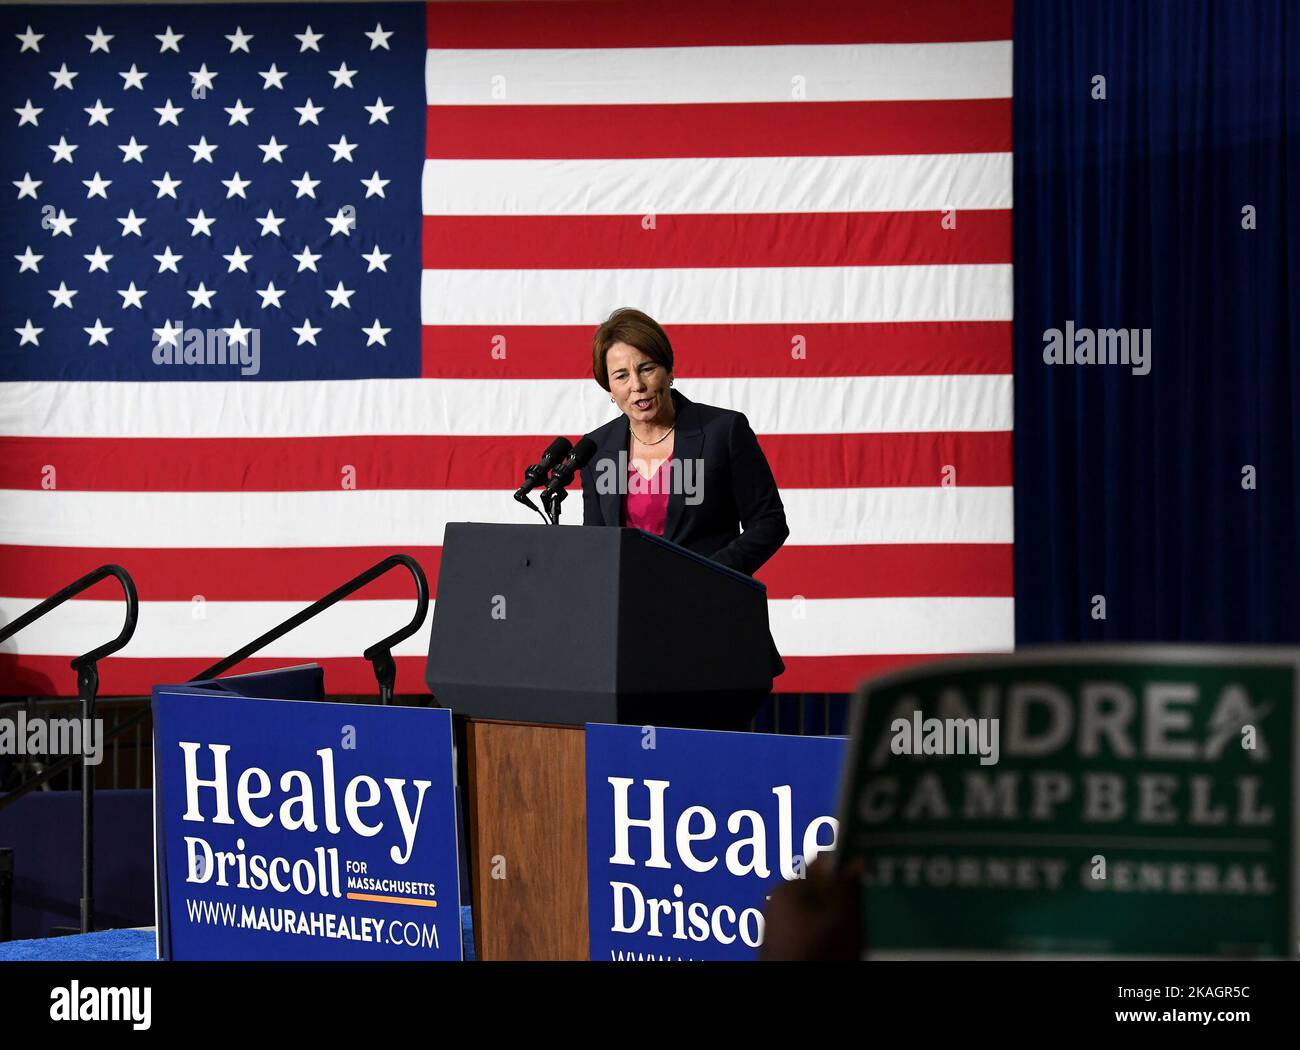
[(133, 945), (107, 946)]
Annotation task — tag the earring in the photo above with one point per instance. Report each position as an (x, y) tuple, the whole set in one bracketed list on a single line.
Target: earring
[(611, 401)]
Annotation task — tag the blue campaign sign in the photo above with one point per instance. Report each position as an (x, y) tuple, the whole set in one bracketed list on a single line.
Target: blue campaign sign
[(293, 829), (688, 832)]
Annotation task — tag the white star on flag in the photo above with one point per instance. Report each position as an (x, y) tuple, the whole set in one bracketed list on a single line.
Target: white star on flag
[(235, 186), (169, 41), (27, 185), (168, 334), (97, 187), (201, 292), (375, 185), (167, 261), (202, 224), (133, 78), (28, 334), (62, 295), (273, 78), (310, 41), (61, 224), (132, 296), (168, 113), (31, 42), (99, 40), (270, 295), (63, 78), (29, 260), (342, 149), (375, 334), (203, 150), (270, 224), (306, 186), (131, 224), (238, 334), (308, 112), (379, 112), (238, 113), (239, 40), (339, 296), (306, 332), (98, 113), (98, 334), (98, 260), (28, 113), (133, 151), (166, 186)]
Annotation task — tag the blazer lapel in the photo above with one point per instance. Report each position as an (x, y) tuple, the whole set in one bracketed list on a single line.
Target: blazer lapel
[(688, 444), (610, 509)]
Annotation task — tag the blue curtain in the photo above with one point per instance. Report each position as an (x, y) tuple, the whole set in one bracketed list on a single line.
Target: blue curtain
[(1131, 212)]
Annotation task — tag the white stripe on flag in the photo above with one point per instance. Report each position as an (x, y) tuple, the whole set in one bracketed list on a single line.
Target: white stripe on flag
[(771, 73), (406, 518), (720, 295), (829, 627), (717, 185), (466, 407), (848, 626)]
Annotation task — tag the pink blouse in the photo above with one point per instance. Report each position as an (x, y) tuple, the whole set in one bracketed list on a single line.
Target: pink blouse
[(646, 503)]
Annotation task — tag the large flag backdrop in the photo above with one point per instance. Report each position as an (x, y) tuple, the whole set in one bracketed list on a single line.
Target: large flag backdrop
[(815, 200)]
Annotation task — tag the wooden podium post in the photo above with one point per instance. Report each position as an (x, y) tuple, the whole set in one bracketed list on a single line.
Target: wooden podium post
[(526, 794)]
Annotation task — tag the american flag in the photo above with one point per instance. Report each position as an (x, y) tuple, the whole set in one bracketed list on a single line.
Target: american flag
[(417, 214)]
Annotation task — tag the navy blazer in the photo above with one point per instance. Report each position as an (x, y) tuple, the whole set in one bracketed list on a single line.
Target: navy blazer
[(739, 522)]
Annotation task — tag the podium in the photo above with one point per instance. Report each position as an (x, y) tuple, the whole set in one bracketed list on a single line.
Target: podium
[(537, 630)]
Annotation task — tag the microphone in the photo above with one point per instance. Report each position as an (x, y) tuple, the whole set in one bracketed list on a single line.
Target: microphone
[(578, 457), (536, 474)]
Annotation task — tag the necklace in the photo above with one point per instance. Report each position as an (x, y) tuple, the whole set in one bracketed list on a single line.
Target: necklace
[(649, 443)]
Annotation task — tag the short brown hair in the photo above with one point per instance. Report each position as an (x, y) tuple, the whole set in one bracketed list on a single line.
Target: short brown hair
[(637, 329)]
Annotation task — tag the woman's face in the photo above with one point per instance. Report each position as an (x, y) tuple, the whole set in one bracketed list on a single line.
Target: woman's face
[(638, 383)]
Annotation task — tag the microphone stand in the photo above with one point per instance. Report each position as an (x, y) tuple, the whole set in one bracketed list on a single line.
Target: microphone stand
[(551, 501)]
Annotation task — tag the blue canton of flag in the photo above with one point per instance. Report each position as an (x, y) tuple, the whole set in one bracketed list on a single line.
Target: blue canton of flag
[(204, 192)]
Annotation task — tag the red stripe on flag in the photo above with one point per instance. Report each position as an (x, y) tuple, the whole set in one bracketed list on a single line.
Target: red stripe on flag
[(726, 350), (839, 674), (598, 242), (913, 570), (231, 574), (22, 675), (304, 574), (384, 462), (692, 23), (125, 676), (722, 129)]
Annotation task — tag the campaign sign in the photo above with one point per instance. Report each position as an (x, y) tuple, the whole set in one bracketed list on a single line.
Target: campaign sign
[(291, 829), (688, 832), (1121, 800)]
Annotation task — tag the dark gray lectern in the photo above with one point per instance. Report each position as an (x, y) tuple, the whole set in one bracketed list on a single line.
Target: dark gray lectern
[(539, 629), (571, 625)]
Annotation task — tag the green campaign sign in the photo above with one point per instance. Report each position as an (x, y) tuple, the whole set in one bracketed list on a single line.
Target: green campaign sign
[(1089, 801)]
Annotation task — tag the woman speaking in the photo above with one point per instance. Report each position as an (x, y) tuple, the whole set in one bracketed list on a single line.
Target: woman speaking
[(691, 473)]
